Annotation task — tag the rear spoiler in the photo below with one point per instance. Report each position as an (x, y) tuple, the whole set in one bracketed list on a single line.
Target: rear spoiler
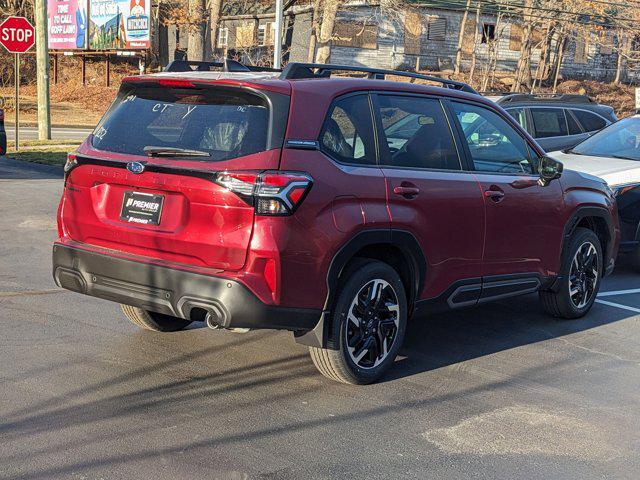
[(227, 65)]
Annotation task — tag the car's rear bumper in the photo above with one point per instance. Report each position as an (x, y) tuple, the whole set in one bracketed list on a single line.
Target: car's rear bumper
[(172, 291)]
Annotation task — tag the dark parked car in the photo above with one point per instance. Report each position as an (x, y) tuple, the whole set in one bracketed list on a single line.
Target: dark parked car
[(613, 154), (335, 208), (3, 134), (557, 122)]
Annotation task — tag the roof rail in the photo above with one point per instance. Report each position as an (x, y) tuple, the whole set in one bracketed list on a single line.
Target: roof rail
[(546, 97), (296, 70), (227, 65)]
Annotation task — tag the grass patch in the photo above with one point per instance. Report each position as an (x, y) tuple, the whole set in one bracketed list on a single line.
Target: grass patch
[(46, 156), (40, 143)]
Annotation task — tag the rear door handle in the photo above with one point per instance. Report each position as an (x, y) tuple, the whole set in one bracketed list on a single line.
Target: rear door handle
[(495, 195), (406, 191)]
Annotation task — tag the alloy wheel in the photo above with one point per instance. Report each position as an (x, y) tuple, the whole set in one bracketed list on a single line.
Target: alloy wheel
[(583, 276), (372, 324)]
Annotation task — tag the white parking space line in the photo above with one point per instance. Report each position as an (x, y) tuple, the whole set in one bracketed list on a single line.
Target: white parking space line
[(619, 292), (618, 305)]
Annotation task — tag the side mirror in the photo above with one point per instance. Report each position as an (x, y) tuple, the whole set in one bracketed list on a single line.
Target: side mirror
[(549, 170)]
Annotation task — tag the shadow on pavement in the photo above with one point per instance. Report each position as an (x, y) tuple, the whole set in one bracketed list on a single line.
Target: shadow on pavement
[(164, 390), (11, 169), (454, 337)]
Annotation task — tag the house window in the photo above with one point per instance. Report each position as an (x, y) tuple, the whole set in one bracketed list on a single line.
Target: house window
[(580, 55), (223, 37), (606, 43), (266, 34), (515, 37), (355, 34), (437, 28), (488, 32)]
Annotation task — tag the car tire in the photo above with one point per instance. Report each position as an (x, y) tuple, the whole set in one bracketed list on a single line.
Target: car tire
[(158, 322), (368, 325), (580, 274)]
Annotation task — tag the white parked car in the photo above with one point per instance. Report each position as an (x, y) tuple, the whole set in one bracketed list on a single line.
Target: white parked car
[(613, 154)]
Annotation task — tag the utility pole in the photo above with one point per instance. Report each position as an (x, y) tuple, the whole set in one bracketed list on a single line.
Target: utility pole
[(42, 58), (16, 106), (277, 42)]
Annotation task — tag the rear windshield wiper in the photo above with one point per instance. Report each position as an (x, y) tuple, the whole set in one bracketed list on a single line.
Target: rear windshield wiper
[(173, 152)]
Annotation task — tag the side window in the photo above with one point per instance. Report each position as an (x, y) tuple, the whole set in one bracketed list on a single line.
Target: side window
[(495, 145), (590, 121), (347, 134), (519, 115), (549, 122), (574, 128), (417, 133)]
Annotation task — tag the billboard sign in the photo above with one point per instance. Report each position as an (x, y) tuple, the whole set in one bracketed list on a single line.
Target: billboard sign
[(67, 24), (119, 24)]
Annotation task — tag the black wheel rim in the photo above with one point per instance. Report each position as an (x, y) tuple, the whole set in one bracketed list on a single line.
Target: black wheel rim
[(372, 324), (584, 274)]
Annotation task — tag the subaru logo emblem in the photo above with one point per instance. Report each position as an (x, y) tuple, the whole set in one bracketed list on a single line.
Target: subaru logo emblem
[(135, 167)]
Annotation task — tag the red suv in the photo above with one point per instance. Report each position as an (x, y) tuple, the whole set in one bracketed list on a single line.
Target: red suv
[(337, 208)]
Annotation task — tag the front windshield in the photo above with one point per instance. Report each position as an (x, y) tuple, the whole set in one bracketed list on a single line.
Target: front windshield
[(620, 140)]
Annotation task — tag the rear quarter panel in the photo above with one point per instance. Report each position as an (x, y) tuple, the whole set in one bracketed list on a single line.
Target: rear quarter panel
[(343, 201)]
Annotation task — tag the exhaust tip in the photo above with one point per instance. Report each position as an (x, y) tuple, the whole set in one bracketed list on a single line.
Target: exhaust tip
[(213, 315), (213, 321)]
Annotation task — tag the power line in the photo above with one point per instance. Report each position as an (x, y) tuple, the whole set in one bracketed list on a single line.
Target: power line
[(604, 20), (515, 8), (520, 4)]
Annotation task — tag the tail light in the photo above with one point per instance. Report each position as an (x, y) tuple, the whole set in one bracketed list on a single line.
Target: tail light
[(271, 193), (71, 163)]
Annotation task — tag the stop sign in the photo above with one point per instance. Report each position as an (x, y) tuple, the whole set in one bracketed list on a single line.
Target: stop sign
[(17, 35)]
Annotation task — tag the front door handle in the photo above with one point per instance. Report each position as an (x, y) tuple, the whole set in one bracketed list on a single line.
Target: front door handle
[(406, 191)]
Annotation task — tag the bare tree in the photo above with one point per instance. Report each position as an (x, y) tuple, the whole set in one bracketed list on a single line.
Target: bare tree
[(622, 52), (562, 43), (476, 41), (329, 14), (523, 69), (196, 39), (493, 47), (215, 7), (23, 8), (461, 35), (315, 27)]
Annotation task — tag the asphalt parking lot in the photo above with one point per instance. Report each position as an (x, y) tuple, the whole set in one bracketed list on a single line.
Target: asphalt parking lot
[(500, 391)]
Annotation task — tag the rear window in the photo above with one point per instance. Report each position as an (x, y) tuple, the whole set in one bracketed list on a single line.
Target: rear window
[(347, 134), (574, 128), (225, 123), (590, 121)]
